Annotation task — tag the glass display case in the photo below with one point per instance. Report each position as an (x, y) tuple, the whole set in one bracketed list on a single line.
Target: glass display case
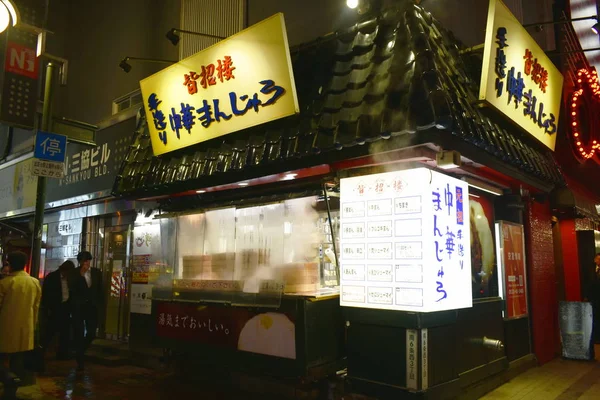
[(248, 255)]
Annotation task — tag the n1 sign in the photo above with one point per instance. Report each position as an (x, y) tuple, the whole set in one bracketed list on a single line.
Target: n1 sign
[(405, 242)]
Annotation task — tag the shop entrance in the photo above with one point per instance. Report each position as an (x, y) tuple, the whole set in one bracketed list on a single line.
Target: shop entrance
[(114, 253)]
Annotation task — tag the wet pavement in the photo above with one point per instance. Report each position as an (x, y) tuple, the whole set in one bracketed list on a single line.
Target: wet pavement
[(62, 381)]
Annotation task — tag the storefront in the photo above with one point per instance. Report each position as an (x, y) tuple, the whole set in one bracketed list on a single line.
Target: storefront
[(577, 221), (84, 216), (254, 225)]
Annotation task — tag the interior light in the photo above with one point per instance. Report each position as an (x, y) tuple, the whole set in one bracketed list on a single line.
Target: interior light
[(12, 10), (243, 184), (289, 177), (352, 4), (4, 17), (200, 191)]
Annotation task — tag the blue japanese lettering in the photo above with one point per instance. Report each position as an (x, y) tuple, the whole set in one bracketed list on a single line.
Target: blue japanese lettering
[(158, 116), (450, 242), (205, 112), (270, 87), (515, 87), (438, 251), (437, 202), (448, 198), (218, 113), (175, 121), (440, 289), (436, 230)]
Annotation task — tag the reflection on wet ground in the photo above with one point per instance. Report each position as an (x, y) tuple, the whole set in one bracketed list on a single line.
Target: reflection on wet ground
[(62, 381)]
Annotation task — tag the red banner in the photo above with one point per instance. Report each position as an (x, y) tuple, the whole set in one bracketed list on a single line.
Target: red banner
[(515, 283), (232, 327)]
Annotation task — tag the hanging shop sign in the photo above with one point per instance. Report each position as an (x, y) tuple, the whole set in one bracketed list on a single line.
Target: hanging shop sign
[(513, 280), (93, 169), (517, 77), (242, 81), (17, 188), (405, 241)]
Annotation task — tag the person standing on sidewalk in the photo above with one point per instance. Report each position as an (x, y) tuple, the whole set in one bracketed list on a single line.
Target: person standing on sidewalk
[(85, 284), (20, 296), (56, 308)]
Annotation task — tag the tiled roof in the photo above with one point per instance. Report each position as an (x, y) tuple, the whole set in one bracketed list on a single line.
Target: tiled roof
[(399, 75)]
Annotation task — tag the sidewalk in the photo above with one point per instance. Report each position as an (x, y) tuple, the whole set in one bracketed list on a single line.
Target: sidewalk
[(61, 381), (557, 380)]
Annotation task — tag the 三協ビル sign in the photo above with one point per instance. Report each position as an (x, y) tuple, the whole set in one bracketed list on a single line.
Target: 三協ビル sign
[(242, 81), (517, 77)]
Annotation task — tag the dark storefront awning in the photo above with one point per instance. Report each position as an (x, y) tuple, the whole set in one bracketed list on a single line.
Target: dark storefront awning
[(398, 77)]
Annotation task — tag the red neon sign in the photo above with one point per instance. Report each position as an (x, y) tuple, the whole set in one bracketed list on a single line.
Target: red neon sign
[(587, 80)]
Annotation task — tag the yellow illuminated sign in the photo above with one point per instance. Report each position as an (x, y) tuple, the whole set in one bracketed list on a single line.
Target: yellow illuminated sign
[(242, 81), (517, 78)]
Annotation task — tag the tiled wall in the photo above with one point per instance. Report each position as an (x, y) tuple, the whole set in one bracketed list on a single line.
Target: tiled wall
[(542, 281)]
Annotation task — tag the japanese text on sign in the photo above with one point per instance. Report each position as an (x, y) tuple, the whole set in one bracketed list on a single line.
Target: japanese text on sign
[(408, 249), (518, 79), (242, 81), (516, 89)]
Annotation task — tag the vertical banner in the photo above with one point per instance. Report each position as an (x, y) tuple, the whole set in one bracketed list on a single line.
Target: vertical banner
[(412, 361), (515, 281), (424, 359)]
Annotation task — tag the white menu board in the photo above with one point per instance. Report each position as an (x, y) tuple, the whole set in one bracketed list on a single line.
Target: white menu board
[(405, 241)]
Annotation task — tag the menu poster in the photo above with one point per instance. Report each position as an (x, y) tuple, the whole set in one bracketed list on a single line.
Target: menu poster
[(515, 283), (146, 251), (405, 241)]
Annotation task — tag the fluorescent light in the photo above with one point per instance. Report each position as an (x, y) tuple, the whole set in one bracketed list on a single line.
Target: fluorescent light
[(243, 184), (289, 177), (483, 186), (200, 191)]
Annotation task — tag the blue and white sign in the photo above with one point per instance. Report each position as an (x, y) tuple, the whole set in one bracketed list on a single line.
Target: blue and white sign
[(405, 241), (50, 147)]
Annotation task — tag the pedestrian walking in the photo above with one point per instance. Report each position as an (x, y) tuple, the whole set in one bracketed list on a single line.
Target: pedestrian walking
[(56, 309), (20, 296), (85, 284)]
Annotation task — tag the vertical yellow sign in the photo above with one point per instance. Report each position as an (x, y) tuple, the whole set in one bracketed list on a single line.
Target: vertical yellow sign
[(517, 77)]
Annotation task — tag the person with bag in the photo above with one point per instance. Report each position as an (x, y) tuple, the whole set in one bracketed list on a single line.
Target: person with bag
[(56, 309), (20, 296), (85, 284)]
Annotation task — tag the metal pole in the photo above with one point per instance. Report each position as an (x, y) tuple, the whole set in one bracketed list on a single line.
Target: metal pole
[(40, 199)]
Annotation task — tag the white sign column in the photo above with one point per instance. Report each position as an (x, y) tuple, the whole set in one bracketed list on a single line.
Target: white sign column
[(405, 241)]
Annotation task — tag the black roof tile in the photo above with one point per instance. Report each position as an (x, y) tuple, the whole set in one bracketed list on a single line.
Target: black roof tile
[(399, 74)]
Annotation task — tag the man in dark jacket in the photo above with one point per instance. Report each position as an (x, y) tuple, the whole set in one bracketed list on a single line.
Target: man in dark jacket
[(56, 308), (86, 293)]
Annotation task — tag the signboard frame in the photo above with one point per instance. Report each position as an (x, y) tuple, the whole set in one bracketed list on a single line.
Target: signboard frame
[(536, 82), (404, 242), (243, 81)]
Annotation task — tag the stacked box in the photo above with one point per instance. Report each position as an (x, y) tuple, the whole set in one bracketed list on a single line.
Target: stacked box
[(299, 277), (209, 267)]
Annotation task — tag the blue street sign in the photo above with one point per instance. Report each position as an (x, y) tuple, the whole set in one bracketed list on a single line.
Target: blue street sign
[(50, 146)]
